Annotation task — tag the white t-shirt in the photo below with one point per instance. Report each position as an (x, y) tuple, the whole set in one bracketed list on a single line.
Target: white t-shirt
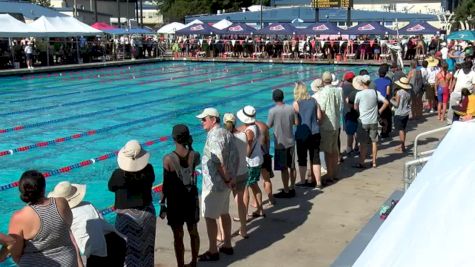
[(431, 73), (445, 52), (28, 49), (367, 101), (255, 159), (464, 80)]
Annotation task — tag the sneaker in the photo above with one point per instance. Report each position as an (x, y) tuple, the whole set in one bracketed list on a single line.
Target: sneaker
[(282, 194), (292, 192), (227, 251), (431, 111)]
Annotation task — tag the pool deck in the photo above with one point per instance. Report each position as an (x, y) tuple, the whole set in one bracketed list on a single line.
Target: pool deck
[(313, 229), (70, 67)]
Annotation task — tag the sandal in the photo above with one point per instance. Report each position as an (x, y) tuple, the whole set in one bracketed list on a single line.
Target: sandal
[(256, 215), (227, 251), (208, 256)]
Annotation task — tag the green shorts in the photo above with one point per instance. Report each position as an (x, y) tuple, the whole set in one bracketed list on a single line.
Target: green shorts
[(253, 175)]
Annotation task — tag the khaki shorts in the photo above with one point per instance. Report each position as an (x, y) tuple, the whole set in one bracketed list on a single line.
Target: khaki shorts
[(329, 141), (214, 204), (367, 133)]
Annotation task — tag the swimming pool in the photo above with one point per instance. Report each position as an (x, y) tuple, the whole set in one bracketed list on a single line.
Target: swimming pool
[(68, 125)]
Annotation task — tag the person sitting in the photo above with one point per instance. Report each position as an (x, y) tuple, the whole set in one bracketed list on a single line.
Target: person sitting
[(466, 109), (97, 240), (42, 228)]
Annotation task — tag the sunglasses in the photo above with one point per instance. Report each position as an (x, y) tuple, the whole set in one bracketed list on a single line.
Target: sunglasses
[(204, 119)]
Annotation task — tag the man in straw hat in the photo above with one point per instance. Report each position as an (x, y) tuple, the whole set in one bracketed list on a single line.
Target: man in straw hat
[(432, 70), (402, 102), (366, 102), (96, 239), (219, 163), (254, 158)]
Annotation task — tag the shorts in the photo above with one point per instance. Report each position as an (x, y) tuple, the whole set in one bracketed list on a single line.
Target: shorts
[(430, 92), (351, 127), (284, 158), (214, 203), (241, 181), (367, 133), (329, 141), (267, 165), (312, 145), (442, 94), (253, 175), (29, 56), (400, 122)]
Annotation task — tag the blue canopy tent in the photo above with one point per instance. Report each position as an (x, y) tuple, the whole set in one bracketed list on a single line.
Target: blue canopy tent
[(120, 31), (372, 28), (201, 29), (278, 29), (462, 35), (415, 28), (239, 29), (320, 29)]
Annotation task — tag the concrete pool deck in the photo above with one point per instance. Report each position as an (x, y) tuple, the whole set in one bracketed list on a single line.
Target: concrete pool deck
[(313, 229)]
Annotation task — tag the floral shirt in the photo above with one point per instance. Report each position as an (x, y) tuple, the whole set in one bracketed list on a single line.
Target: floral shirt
[(330, 100), (219, 148)]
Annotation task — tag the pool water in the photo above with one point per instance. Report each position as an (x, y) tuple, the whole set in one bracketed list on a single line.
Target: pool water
[(56, 123)]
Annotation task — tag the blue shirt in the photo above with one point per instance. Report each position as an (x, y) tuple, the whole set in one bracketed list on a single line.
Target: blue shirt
[(381, 85)]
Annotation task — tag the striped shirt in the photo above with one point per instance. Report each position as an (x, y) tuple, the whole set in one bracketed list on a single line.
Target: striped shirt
[(52, 245)]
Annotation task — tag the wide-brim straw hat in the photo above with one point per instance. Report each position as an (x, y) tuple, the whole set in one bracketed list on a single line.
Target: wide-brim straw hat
[(73, 193), (247, 115), (432, 61), (316, 85), (132, 158), (404, 83)]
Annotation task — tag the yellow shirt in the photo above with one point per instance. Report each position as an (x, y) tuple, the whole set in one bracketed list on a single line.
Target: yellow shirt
[(471, 105)]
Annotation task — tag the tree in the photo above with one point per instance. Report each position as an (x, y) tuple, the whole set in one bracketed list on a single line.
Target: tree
[(45, 3), (465, 12)]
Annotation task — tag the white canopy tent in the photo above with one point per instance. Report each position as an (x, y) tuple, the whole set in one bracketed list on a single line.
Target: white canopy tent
[(11, 27), (196, 21), (62, 27), (432, 225), (171, 28), (222, 24)]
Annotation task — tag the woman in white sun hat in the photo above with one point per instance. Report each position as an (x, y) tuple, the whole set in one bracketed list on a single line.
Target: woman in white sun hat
[(96, 239), (132, 184)]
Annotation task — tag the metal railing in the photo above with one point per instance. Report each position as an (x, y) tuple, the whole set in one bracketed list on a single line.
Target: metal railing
[(412, 167)]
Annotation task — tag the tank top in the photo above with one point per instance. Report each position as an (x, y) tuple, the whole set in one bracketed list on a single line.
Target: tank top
[(185, 174), (307, 119), (255, 159), (52, 245), (241, 145)]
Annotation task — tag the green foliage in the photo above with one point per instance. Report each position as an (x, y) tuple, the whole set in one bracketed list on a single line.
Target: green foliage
[(465, 9), (45, 3), (176, 10)]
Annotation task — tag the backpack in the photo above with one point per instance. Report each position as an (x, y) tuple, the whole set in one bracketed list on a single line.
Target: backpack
[(417, 82), (186, 175)]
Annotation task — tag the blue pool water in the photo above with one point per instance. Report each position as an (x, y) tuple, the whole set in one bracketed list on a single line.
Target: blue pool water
[(110, 106)]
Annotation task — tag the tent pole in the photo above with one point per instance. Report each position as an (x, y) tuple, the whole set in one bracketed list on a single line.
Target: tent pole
[(77, 47), (11, 51), (47, 51)]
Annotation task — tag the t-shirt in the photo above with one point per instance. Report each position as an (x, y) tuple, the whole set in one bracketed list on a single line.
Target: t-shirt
[(431, 73), (381, 85), (282, 119), (347, 88), (464, 80), (445, 52), (367, 101), (404, 107)]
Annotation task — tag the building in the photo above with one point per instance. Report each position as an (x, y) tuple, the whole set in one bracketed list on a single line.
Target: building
[(308, 15)]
